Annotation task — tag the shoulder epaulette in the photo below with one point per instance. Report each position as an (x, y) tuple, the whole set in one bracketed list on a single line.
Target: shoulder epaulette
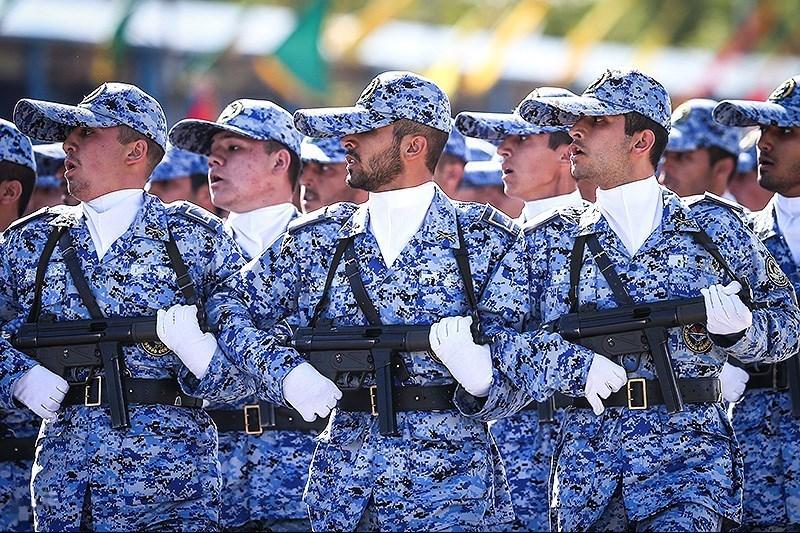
[(497, 218), (538, 222), (708, 197), (338, 211), (197, 214), (20, 222)]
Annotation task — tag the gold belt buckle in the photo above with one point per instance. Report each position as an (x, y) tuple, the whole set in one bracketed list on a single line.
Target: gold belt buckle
[(643, 384), (373, 400), (87, 392), (250, 411)]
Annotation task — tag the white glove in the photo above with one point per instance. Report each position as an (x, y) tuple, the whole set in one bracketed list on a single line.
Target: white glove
[(309, 392), (178, 329), (469, 363), (725, 311), (604, 377), (41, 391), (733, 379)]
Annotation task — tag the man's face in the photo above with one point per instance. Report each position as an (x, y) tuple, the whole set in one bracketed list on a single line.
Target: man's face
[(323, 184), (687, 173), (179, 188), (373, 159), (779, 160), (94, 159), (528, 163), (600, 150), (239, 174)]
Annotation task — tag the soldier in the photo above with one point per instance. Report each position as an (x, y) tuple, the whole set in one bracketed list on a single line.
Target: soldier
[(701, 154), (18, 426), (397, 263), (264, 449), (483, 183), (766, 420), (181, 175), (450, 167), (536, 170), (50, 187), (744, 184), (121, 253), (322, 181), (628, 461)]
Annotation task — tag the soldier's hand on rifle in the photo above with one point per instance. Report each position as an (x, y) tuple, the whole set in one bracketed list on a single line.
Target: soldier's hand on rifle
[(733, 381), (309, 392), (469, 363), (726, 312), (41, 391), (604, 377), (178, 329)]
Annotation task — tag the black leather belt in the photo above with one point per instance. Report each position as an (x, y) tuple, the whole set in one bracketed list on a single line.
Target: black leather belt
[(14, 449), (254, 419), (640, 393), (141, 391), (432, 398), (772, 376)]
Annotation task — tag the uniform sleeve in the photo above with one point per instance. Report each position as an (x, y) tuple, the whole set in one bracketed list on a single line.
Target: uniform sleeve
[(773, 336), (13, 363), (223, 381), (251, 308)]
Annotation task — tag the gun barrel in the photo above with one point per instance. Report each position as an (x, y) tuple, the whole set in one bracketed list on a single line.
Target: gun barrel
[(127, 330), (402, 338)]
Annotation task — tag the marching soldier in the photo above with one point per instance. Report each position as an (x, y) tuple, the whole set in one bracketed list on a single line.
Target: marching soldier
[(322, 180)]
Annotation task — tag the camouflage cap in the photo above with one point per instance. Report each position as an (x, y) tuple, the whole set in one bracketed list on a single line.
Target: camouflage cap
[(480, 150), (178, 163), (748, 152), (260, 120), (49, 159), (322, 150), (781, 109), (111, 104), (456, 145), (15, 147), (616, 92), (693, 127), (482, 174), (497, 126), (389, 97)]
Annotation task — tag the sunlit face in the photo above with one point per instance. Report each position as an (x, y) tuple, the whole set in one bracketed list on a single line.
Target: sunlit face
[(323, 184), (94, 158), (779, 160), (373, 159), (528, 163), (600, 150), (687, 173)]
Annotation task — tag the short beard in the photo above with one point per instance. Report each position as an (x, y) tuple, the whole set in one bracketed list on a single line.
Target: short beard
[(779, 184), (378, 171)]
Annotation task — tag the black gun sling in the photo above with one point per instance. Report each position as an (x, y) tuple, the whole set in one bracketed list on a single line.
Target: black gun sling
[(638, 392), (254, 419), (17, 449), (141, 391)]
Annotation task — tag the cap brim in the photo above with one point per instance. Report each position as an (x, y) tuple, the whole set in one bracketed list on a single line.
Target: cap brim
[(338, 121), (752, 113), (497, 126), (565, 111), (195, 135), (49, 121), (315, 154)]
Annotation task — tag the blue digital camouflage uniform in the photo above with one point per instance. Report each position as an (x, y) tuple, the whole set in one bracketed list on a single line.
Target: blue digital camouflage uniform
[(263, 475), (162, 472), (16, 423), (768, 433), (526, 443), (682, 470), (694, 127), (444, 471)]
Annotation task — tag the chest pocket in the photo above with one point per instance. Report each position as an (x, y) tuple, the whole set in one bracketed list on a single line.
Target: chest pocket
[(688, 273)]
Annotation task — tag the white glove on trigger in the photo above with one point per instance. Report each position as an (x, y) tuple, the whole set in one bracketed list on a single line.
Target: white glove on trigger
[(469, 363), (309, 392), (41, 391), (733, 380), (604, 377), (726, 314), (178, 329)]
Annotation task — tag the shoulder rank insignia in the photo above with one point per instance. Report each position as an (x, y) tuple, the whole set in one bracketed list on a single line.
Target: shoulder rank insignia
[(497, 218)]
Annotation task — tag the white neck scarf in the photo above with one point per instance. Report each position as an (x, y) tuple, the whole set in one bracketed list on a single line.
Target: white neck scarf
[(633, 210), (257, 229), (395, 216), (110, 215), (534, 208), (788, 214)]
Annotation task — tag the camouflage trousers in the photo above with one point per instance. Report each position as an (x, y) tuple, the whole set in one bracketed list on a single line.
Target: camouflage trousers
[(15, 496), (680, 517)]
